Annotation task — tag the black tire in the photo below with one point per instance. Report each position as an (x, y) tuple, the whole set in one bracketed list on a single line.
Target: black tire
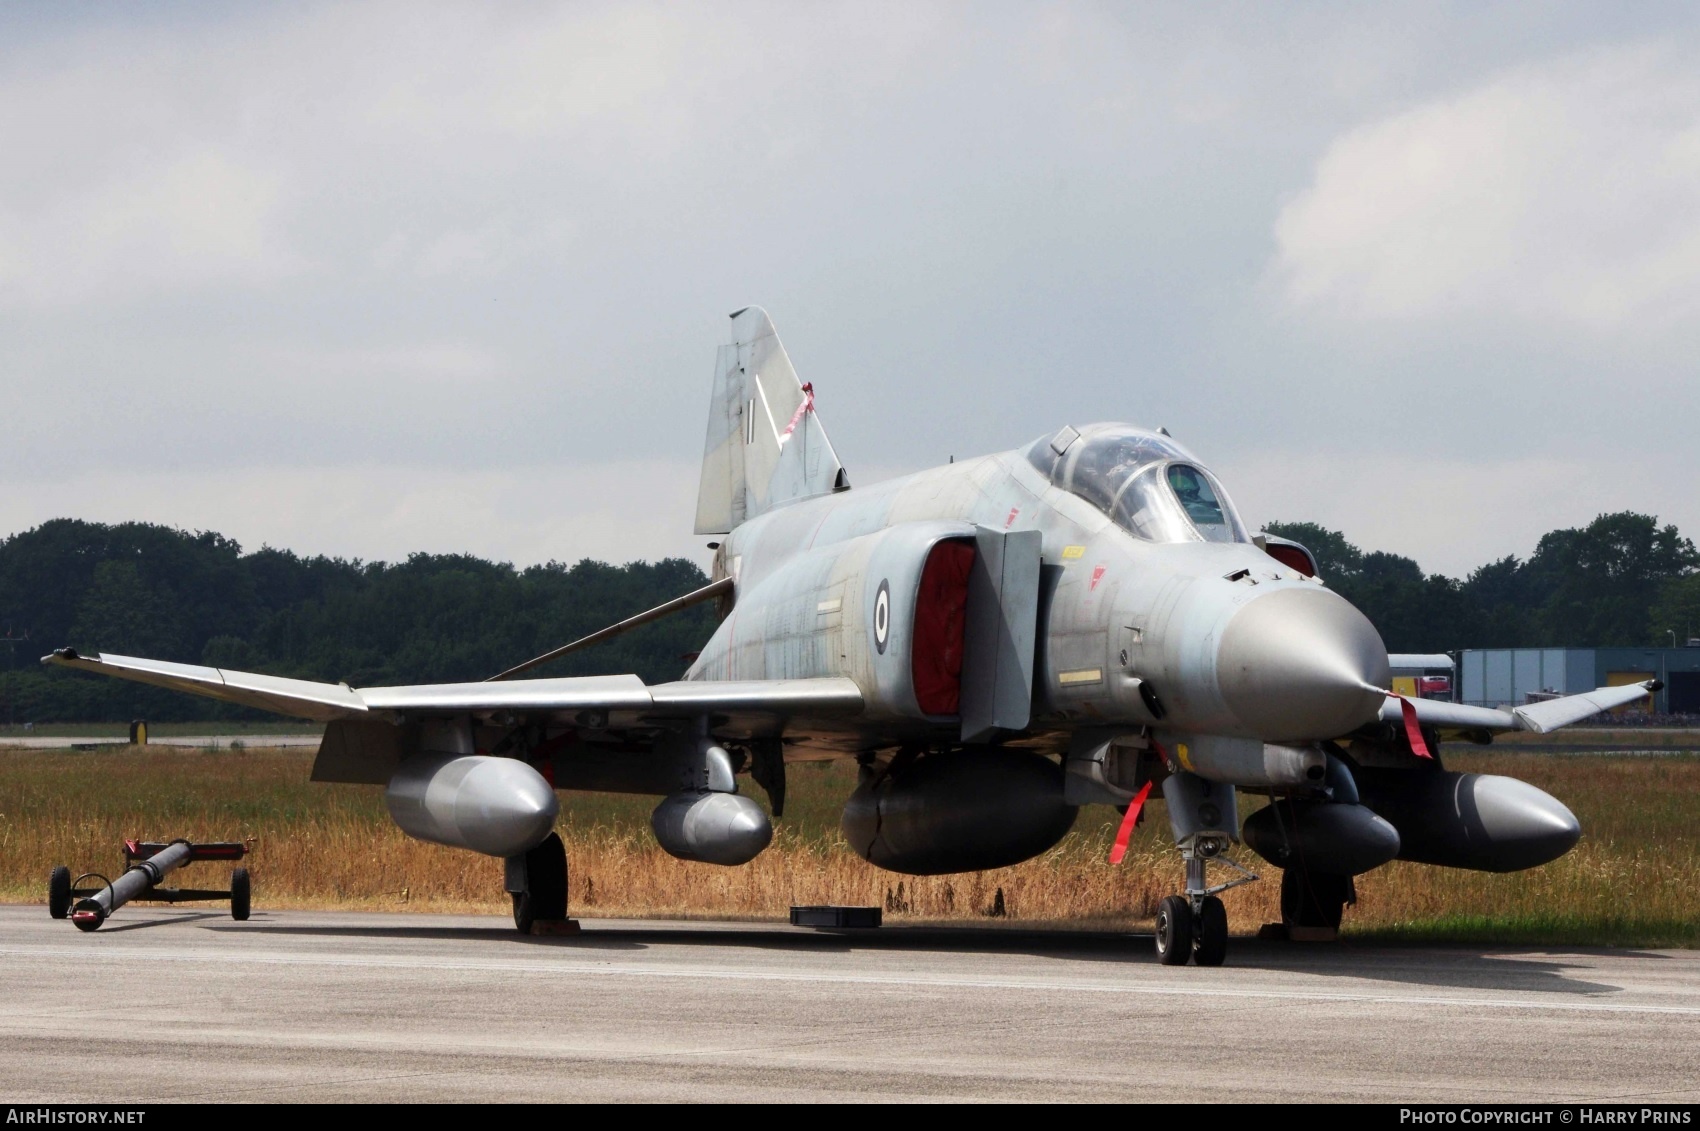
[(545, 894), (241, 890), (1210, 946), (1174, 931), (1314, 899), (59, 892)]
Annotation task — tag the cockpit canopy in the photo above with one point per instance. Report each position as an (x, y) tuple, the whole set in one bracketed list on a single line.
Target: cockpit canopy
[(1145, 482)]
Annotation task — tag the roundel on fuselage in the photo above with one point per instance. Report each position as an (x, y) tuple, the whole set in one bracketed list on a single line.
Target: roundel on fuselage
[(882, 616)]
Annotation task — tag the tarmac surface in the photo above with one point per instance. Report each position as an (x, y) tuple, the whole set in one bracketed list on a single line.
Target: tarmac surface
[(184, 1004)]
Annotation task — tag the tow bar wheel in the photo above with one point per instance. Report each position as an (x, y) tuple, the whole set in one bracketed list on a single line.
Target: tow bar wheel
[(59, 892), (239, 894)]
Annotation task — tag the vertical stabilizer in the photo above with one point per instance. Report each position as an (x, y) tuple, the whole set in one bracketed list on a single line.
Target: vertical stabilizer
[(765, 444)]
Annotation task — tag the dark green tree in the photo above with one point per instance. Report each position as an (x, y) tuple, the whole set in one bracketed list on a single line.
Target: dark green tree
[(1677, 610), (1596, 585), (196, 598)]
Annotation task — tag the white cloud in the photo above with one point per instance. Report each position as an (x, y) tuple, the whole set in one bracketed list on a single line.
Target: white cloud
[(1566, 192), (259, 265), (177, 223), (1449, 515)]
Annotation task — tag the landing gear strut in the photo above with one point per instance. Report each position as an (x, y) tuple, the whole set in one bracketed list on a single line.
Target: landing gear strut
[(1205, 818)]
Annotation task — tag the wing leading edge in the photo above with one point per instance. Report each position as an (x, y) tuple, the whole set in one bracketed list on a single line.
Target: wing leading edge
[(613, 694), (1539, 718)]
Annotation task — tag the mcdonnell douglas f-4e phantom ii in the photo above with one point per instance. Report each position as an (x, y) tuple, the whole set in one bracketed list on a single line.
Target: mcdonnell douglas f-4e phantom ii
[(997, 642)]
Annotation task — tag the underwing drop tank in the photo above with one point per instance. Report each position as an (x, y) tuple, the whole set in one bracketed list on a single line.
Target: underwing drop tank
[(497, 806), (963, 811), (1339, 839), (713, 828)]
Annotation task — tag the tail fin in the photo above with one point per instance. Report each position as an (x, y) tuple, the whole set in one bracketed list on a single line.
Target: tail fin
[(765, 444)]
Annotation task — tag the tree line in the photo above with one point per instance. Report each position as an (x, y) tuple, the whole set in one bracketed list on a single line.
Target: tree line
[(1622, 580), (143, 590)]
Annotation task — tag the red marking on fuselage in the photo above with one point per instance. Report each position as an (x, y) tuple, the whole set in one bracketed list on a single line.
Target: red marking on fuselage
[(1097, 576), (1010, 521), (818, 525)]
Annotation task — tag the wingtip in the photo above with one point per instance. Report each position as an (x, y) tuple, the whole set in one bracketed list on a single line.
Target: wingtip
[(61, 656)]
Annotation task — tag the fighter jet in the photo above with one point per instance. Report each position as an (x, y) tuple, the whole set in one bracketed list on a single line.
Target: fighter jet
[(996, 642)]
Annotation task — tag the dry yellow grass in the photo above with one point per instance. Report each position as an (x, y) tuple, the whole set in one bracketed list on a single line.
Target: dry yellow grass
[(333, 846)]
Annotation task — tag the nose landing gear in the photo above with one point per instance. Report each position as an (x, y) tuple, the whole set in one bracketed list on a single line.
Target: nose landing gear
[(1205, 819)]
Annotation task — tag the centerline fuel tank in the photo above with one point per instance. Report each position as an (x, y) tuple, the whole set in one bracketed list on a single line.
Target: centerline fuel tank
[(962, 811)]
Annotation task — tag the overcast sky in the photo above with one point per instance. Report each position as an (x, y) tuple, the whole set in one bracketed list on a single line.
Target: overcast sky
[(364, 279)]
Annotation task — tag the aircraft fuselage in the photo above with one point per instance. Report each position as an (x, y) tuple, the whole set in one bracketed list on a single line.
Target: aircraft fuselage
[(1199, 637)]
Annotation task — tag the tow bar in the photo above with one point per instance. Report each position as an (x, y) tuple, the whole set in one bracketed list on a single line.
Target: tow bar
[(150, 862)]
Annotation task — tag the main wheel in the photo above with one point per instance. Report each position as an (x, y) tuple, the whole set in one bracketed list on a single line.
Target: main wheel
[(59, 892), (545, 894), (1314, 899), (241, 890), (523, 918), (1174, 931), (1211, 927)]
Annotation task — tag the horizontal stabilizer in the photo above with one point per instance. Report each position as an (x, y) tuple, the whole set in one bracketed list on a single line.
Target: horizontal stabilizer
[(1537, 717)]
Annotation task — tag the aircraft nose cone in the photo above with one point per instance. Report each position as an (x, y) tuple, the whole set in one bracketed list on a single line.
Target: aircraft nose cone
[(1299, 664)]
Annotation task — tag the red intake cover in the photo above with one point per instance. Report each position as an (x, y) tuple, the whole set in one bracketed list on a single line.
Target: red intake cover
[(941, 610)]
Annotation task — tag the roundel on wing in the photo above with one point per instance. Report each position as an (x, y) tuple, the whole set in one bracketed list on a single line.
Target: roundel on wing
[(882, 616)]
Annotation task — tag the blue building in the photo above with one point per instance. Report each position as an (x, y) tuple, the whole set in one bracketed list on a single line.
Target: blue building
[(1497, 677)]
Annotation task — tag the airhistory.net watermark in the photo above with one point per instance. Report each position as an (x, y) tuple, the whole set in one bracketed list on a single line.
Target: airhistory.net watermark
[(44, 1115)]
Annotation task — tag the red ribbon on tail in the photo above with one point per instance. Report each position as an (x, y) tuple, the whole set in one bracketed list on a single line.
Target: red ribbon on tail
[(808, 405), (1125, 833), (1413, 731)]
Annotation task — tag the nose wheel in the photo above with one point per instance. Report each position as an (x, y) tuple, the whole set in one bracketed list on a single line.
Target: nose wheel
[(1210, 932), (1174, 931), (1195, 925)]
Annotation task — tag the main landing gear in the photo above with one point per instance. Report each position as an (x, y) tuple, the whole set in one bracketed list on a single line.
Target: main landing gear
[(1312, 903), (1204, 817), (537, 881)]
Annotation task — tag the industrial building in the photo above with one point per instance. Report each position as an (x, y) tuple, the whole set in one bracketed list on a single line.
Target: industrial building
[(1498, 677)]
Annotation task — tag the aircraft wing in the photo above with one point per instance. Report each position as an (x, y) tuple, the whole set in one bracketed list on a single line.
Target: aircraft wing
[(620, 696), (1537, 717), (298, 698)]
